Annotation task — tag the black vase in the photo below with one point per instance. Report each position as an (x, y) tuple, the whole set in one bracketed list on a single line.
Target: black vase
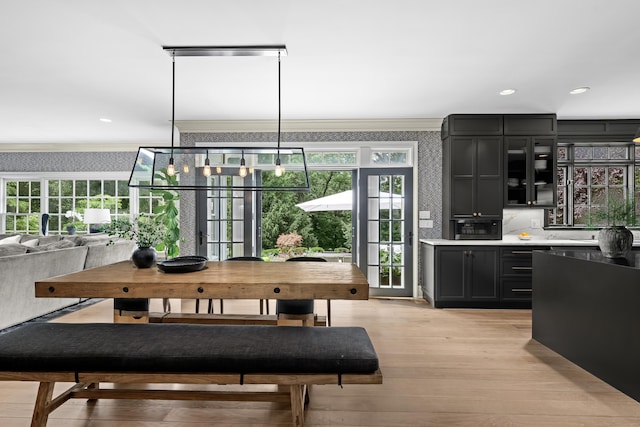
[(144, 257), (615, 242)]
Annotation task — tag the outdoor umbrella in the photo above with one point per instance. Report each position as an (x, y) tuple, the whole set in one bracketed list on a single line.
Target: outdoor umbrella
[(344, 202)]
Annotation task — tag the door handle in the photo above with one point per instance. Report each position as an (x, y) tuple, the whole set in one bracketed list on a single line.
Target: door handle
[(200, 236), (410, 238)]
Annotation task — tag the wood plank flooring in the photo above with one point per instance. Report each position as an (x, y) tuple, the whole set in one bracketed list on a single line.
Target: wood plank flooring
[(440, 367)]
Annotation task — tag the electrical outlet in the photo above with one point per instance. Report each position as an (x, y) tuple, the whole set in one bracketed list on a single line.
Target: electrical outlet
[(535, 223)]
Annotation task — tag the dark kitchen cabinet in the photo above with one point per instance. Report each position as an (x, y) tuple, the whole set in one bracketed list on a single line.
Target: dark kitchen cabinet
[(530, 160), (517, 274), (466, 276), (473, 180), (530, 171)]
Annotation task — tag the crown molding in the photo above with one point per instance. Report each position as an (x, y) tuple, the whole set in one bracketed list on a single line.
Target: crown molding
[(74, 147), (367, 125)]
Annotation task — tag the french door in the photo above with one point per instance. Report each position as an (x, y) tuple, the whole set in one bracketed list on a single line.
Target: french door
[(227, 220), (386, 230)]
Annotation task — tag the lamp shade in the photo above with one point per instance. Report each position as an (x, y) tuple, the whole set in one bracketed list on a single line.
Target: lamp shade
[(97, 216), (636, 139)]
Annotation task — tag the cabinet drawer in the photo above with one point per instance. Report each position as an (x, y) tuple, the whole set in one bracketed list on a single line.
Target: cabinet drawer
[(511, 266), (514, 289)]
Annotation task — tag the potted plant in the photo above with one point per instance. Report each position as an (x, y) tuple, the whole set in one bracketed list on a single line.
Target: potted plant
[(146, 230), (615, 239), (75, 217)]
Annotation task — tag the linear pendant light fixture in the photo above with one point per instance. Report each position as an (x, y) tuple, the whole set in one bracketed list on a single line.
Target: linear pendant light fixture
[(218, 167)]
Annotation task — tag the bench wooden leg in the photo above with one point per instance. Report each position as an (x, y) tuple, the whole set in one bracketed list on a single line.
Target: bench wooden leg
[(43, 403), (297, 404)]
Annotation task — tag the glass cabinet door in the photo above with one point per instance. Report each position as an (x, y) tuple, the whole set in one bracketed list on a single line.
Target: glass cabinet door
[(516, 171), (530, 172), (543, 190)]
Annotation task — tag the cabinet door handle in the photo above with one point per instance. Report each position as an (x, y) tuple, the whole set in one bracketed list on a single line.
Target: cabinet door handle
[(521, 290), (533, 202), (522, 268), (479, 213), (521, 252)]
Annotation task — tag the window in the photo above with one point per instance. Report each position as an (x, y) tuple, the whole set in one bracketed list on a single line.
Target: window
[(63, 199), (590, 175), (22, 207)]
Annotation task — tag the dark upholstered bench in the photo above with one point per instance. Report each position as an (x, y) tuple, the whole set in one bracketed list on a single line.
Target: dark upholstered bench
[(88, 354)]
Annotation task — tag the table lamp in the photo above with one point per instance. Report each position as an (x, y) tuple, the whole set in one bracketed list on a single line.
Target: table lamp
[(96, 216)]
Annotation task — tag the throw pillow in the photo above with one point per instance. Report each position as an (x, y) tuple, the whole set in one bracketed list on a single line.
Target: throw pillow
[(31, 243), (9, 240)]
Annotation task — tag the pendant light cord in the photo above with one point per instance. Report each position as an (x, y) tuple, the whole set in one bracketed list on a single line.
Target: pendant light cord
[(279, 103), (173, 100)]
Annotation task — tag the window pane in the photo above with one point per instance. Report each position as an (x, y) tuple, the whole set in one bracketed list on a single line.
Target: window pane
[(54, 188), (598, 176), (616, 176), (582, 153), (95, 188), (580, 176), (562, 153), (81, 188), (110, 188), (618, 153), (600, 153)]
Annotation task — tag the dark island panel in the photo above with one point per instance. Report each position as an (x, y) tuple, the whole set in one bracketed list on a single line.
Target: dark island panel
[(587, 309)]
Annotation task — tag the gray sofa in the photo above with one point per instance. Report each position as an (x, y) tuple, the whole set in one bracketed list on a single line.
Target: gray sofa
[(26, 261)]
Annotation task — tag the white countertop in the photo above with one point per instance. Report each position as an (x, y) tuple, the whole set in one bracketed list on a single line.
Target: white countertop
[(514, 240)]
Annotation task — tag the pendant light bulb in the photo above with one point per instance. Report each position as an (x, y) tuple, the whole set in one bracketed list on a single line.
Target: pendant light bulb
[(243, 168), (171, 170), (279, 168), (218, 170), (207, 168), (185, 168)]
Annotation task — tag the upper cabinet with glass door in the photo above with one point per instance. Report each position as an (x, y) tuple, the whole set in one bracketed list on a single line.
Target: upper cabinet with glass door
[(530, 160)]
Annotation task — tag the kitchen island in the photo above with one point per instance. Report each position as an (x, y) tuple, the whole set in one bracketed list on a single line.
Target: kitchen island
[(586, 308)]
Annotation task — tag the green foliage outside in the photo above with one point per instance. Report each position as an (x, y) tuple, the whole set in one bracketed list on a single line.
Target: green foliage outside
[(167, 213), (328, 230)]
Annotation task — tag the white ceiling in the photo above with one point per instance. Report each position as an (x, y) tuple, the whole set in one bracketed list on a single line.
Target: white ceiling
[(65, 64)]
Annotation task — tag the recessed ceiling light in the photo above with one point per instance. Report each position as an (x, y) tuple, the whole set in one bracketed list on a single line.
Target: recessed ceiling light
[(105, 120), (579, 90), (506, 92)]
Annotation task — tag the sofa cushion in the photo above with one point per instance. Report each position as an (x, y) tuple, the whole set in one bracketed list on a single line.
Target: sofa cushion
[(11, 239), (60, 244), (45, 240), (12, 249), (95, 239)]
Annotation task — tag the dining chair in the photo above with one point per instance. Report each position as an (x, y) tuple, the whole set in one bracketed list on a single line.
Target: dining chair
[(239, 258), (301, 307)]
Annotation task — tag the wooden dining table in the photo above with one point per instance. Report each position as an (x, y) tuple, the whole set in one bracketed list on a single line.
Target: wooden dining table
[(226, 280)]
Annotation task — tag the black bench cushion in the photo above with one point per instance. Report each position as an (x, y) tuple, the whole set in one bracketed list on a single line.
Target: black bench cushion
[(56, 347)]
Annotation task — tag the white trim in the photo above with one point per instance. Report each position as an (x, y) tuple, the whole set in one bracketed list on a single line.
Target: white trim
[(197, 126), (77, 147)]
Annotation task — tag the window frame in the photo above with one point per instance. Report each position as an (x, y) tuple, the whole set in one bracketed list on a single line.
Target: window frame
[(570, 164)]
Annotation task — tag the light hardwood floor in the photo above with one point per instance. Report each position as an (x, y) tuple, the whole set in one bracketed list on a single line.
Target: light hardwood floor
[(440, 367)]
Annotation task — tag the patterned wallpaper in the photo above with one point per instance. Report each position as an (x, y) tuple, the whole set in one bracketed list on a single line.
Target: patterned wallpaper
[(66, 162)]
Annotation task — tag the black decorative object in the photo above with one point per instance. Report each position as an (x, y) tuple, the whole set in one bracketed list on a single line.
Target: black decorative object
[(183, 264), (144, 257), (44, 224), (615, 242)]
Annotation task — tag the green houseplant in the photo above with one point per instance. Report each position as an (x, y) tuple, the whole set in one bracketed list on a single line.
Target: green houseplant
[(615, 239), (167, 212)]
